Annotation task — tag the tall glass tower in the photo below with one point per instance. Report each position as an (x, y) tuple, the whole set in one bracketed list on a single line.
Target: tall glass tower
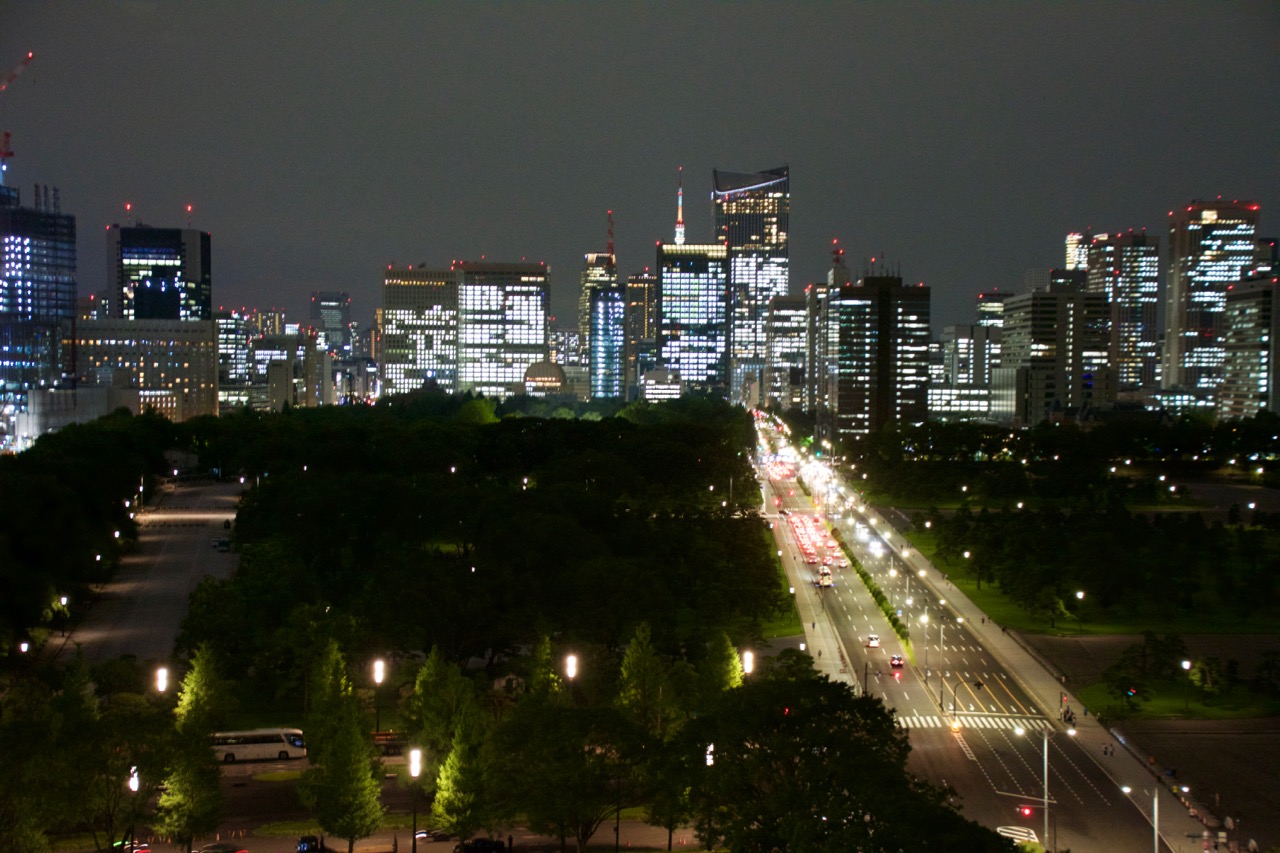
[(503, 325), (752, 218), (1126, 268), (1211, 244)]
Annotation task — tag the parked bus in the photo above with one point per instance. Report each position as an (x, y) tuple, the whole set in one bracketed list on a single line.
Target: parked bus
[(259, 745)]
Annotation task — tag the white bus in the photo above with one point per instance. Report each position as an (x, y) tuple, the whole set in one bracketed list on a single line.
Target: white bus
[(259, 744)]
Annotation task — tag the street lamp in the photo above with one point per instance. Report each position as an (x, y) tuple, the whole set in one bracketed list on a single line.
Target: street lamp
[(379, 670), (955, 702), (748, 662), (924, 620), (1186, 692), (570, 666), (162, 679), (133, 787), (1155, 814), (1044, 734), (415, 769)]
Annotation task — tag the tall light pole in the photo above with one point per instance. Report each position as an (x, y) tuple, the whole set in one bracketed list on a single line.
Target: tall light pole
[(415, 769), (924, 620), (1044, 734), (133, 787), (1155, 815), (1186, 690), (379, 671), (162, 679)]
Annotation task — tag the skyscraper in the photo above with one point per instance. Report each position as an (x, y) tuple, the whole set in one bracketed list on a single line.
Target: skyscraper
[(817, 336), (641, 321), (1078, 250), (1251, 344), (608, 341), (159, 273), (37, 294), (877, 357), (503, 325), (1210, 244), (1054, 357), (752, 218), (693, 306), (331, 317), (418, 330), (786, 339), (1126, 269)]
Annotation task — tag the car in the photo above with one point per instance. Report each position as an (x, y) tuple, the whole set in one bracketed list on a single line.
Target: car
[(309, 844), (895, 661), (433, 835), (873, 642), (811, 559)]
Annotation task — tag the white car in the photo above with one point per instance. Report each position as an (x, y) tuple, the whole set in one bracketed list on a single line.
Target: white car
[(873, 642)]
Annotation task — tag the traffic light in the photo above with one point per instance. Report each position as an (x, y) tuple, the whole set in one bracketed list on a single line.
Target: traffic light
[(1026, 811), (1132, 691)]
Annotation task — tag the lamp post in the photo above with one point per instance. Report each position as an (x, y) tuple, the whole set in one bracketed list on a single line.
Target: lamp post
[(977, 685), (162, 679), (1186, 691), (133, 787), (1044, 734), (924, 620), (1155, 815), (748, 662), (379, 670), (415, 769)]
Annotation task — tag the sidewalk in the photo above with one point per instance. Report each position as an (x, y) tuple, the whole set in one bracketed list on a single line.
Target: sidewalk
[(1125, 767)]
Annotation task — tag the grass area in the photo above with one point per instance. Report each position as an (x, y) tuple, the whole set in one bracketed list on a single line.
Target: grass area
[(1177, 702), (278, 776), (1092, 621), (785, 623)]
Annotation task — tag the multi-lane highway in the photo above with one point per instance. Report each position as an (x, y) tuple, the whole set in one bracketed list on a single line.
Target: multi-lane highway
[(974, 724)]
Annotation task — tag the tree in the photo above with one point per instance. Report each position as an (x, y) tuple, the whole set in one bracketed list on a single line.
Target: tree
[(797, 762), (442, 697), (343, 790), (721, 669), (645, 691), (191, 802), (459, 804)]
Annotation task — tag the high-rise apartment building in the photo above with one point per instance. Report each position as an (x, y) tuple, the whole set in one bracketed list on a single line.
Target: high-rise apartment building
[(752, 218), (418, 330), (503, 324), (1126, 269), (37, 295), (159, 273), (1054, 357), (331, 318), (693, 307), (1251, 344), (877, 357), (1211, 243)]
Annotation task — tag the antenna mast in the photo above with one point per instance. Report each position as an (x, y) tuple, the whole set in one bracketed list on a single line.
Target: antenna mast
[(680, 207), (5, 151)]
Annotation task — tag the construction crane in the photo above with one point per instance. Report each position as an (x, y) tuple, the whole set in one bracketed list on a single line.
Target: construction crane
[(5, 151)]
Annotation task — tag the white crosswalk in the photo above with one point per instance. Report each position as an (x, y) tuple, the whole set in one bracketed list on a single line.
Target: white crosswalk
[(973, 721)]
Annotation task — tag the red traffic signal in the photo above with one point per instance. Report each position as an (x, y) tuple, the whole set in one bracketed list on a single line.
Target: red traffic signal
[(1026, 811)]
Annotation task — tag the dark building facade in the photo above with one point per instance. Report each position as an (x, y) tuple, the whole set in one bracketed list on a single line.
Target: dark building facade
[(159, 273)]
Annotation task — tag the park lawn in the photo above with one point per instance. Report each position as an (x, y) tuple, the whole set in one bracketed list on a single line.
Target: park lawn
[(786, 622), (278, 776), (1091, 621), (1167, 701)]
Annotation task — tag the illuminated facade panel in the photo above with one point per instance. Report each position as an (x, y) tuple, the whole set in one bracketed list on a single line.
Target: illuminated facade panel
[(159, 273), (693, 332), (1211, 243)]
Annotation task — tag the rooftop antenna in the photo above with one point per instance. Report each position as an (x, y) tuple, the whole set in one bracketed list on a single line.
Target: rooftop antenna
[(611, 255), (188, 216), (680, 207)]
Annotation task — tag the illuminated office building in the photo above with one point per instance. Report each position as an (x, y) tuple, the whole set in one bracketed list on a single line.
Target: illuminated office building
[(331, 317), (608, 341), (1078, 243), (1126, 269), (991, 308), (1211, 243), (786, 347), (37, 295), (876, 363), (967, 354), (817, 337), (693, 330), (158, 273), (418, 330), (1054, 362), (503, 325), (641, 322), (172, 363), (752, 218), (599, 269), (1251, 336)]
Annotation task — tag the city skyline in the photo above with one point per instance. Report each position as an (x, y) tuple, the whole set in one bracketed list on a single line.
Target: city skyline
[(960, 141)]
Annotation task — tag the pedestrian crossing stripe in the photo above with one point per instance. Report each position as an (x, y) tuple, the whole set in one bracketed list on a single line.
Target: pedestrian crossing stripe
[(973, 721)]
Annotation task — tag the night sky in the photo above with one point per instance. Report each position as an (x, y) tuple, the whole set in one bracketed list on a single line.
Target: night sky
[(319, 142)]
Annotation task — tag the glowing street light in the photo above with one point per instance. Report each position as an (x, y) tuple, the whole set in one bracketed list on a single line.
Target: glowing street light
[(415, 770), (379, 671), (571, 666), (162, 679), (1155, 814), (748, 662)]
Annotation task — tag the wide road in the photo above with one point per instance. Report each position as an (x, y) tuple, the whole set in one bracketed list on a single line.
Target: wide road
[(989, 742), (140, 612)]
